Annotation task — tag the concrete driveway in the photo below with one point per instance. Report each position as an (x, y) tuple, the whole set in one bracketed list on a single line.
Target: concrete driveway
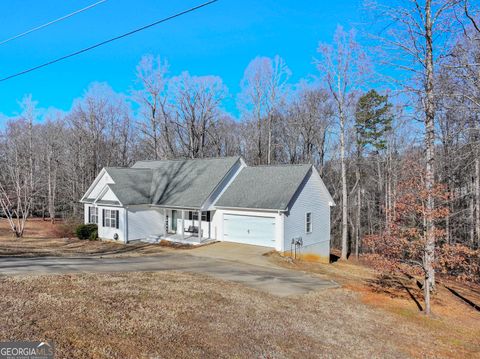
[(274, 280), (236, 252)]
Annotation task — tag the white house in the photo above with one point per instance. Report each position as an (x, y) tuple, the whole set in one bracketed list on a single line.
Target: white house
[(281, 207)]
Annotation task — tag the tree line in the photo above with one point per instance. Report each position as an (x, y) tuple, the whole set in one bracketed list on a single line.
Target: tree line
[(363, 131)]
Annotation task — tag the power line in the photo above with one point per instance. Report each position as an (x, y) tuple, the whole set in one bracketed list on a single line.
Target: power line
[(109, 40), (51, 22)]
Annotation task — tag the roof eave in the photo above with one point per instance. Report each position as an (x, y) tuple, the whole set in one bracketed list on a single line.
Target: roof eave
[(166, 206), (252, 209)]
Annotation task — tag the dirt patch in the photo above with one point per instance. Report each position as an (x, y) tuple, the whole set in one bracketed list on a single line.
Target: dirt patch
[(141, 315), (454, 326)]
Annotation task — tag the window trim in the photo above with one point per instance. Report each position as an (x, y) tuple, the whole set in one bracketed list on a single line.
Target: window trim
[(308, 222), (110, 218), (92, 214), (206, 216)]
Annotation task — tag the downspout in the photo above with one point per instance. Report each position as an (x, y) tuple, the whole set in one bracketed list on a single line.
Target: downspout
[(126, 225), (281, 235)]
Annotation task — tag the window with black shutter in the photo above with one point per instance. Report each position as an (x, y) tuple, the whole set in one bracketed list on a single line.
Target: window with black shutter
[(110, 218)]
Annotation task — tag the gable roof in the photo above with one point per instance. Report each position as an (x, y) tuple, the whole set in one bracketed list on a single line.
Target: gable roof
[(132, 186), (186, 183), (175, 183), (264, 187)]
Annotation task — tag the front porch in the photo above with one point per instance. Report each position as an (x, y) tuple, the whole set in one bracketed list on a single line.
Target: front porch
[(187, 226)]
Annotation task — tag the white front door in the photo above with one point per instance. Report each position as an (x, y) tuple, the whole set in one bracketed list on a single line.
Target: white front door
[(255, 230)]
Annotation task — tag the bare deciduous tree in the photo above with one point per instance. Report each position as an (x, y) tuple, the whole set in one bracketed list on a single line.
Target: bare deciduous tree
[(343, 66)]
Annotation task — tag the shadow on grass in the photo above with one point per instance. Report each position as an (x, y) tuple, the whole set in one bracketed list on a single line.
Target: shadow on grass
[(395, 288), (69, 249), (463, 298)]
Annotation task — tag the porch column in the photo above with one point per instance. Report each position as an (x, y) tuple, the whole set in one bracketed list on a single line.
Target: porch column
[(200, 225), (183, 224)]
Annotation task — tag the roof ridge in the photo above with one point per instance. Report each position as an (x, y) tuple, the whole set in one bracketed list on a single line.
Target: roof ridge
[(283, 165), (125, 168), (189, 159)]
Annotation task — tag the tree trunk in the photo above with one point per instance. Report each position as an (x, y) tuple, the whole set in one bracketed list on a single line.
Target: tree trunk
[(358, 220), (359, 198), (380, 190), (426, 293), (472, 214), (269, 149), (344, 188), (51, 204), (477, 198), (259, 144), (430, 149)]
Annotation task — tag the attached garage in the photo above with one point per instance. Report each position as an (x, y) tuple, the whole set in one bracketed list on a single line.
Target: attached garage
[(254, 230), (275, 206)]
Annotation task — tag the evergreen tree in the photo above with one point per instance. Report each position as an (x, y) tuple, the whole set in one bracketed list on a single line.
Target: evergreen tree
[(373, 119)]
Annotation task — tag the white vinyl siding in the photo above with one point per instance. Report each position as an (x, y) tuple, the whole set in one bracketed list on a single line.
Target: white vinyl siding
[(105, 232), (144, 221), (108, 195), (313, 199), (100, 185), (308, 222)]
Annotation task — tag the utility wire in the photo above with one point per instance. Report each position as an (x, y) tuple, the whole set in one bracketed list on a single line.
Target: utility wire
[(51, 22), (109, 40)]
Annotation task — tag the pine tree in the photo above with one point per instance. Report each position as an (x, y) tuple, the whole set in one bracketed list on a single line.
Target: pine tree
[(373, 119)]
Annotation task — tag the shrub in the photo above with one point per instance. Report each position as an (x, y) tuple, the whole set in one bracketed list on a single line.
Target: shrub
[(93, 235), (84, 231)]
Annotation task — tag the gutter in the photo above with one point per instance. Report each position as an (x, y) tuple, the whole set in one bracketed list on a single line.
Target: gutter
[(253, 209), (176, 207)]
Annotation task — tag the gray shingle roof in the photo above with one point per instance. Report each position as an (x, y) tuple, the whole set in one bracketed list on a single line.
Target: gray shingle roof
[(132, 186), (186, 183), (264, 187), (176, 183)]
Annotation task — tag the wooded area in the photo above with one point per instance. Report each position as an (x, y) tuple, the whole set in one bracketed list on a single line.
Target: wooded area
[(397, 119)]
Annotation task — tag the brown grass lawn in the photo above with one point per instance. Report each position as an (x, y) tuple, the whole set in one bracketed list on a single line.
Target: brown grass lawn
[(454, 326), (172, 315), (41, 238), (181, 315)]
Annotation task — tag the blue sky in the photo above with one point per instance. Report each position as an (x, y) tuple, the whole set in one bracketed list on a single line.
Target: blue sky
[(220, 40)]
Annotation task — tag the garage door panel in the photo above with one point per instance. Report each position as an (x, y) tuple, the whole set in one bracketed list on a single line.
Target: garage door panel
[(250, 230)]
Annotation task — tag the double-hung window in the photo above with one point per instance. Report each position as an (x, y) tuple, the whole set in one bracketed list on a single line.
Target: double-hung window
[(193, 215), (308, 222), (93, 215), (110, 218)]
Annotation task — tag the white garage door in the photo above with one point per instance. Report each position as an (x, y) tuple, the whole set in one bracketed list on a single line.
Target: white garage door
[(259, 231)]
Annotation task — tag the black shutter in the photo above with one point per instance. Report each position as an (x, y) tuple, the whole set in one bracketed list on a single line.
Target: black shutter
[(89, 214), (190, 215), (103, 218), (208, 216), (116, 215)]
